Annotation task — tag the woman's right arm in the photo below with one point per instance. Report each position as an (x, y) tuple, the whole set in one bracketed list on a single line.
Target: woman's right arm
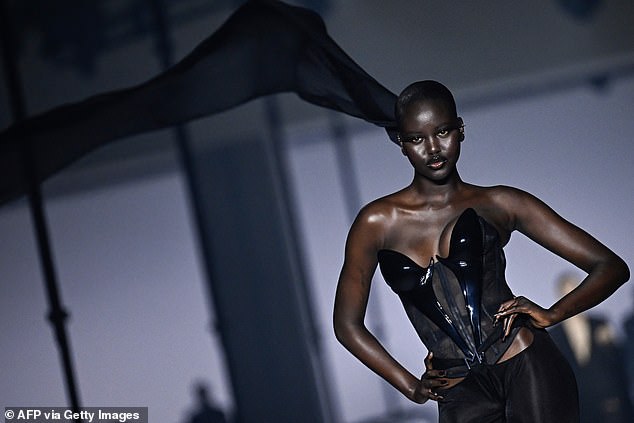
[(350, 307)]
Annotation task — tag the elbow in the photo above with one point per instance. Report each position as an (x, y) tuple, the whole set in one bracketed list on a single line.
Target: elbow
[(623, 271), (619, 269), (340, 334), (345, 331), (341, 330)]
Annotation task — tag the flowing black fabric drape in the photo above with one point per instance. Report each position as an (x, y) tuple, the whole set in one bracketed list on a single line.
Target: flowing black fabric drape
[(265, 47)]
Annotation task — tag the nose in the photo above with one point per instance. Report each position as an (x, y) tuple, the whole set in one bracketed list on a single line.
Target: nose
[(432, 145)]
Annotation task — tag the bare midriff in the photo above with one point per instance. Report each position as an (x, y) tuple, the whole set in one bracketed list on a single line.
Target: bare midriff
[(522, 340)]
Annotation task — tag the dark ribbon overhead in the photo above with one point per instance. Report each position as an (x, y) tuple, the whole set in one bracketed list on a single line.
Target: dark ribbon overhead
[(265, 47)]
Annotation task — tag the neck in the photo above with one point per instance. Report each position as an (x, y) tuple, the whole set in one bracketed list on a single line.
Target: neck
[(440, 191)]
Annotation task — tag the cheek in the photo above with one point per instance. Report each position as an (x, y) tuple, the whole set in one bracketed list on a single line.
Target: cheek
[(413, 158), (453, 146), (456, 151), (411, 153)]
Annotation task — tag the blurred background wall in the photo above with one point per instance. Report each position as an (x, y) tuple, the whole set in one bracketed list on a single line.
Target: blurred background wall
[(546, 91)]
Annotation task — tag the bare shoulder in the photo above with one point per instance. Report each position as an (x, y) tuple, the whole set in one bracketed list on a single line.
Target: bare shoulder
[(505, 206), (375, 219), (379, 212), (517, 202), (508, 198)]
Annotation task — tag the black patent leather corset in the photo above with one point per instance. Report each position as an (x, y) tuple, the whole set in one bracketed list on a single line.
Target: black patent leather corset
[(451, 302)]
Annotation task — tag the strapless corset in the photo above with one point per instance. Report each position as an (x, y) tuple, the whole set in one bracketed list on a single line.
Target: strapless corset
[(452, 301)]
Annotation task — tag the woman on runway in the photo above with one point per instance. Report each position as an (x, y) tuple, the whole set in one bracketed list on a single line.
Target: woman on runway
[(438, 243)]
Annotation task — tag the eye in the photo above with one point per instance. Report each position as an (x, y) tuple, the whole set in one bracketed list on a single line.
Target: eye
[(414, 139), (443, 133)]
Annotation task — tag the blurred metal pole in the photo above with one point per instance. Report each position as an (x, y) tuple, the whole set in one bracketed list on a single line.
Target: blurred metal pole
[(57, 314), (164, 50), (186, 158), (321, 370)]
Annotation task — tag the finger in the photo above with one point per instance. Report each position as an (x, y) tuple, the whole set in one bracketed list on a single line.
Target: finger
[(428, 364), (428, 390), (512, 309), (508, 325), (508, 303), (436, 383), (434, 396), (504, 323), (503, 313), (434, 374)]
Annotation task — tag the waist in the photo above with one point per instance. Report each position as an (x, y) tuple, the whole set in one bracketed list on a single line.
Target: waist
[(494, 350)]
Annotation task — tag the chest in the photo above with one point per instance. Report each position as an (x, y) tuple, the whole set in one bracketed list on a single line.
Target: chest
[(424, 236)]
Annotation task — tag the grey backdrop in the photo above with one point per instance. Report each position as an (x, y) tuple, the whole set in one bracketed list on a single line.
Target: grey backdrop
[(547, 101)]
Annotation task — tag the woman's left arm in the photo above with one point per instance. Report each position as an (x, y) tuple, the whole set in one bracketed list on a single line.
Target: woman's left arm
[(606, 271)]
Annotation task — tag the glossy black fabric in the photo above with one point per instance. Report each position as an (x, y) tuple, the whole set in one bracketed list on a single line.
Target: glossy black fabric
[(265, 47), (535, 386), (452, 302)]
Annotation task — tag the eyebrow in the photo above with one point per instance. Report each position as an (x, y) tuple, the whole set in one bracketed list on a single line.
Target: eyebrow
[(444, 126)]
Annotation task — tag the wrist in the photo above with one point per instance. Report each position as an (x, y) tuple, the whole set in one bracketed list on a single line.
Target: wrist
[(417, 397), (554, 316), (412, 391)]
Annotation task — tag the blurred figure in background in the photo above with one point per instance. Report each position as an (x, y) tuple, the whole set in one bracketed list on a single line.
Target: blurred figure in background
[(628, 326), (206, 411), (598, 360)]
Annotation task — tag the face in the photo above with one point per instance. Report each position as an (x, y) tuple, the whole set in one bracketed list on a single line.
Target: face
[(430, 138)]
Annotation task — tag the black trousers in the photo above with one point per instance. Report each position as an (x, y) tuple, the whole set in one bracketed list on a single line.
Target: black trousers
[(535, 386)]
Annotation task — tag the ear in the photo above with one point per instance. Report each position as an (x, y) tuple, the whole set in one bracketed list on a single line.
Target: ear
[(461, 129), (400, 143)]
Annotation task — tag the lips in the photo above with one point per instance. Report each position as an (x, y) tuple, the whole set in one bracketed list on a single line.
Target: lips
[(436, 162)]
